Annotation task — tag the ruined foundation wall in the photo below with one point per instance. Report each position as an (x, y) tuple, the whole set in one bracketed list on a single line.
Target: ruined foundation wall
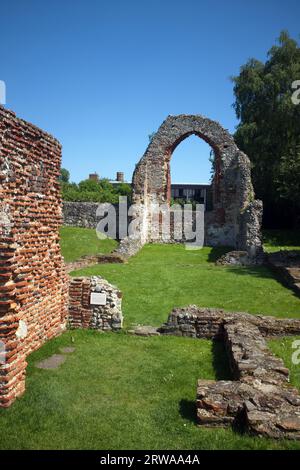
[(259, 399), (202, 322), (33, 283)]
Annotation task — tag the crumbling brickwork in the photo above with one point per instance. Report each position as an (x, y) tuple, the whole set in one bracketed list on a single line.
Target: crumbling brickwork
[(33, 283), (84, 312), (236, 217)]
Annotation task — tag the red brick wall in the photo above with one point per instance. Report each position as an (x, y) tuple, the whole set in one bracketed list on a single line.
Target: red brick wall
[(33, 282)]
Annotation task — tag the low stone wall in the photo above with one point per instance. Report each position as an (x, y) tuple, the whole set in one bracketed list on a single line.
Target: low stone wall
[(249, 355), (84, 214), (240, 258), (204, 322), (86, 261), (260, 409), (287, 265), (87, 310), (260, 400), (80, 214)]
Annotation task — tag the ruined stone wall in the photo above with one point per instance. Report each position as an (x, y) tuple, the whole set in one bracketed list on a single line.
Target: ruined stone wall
[(84, 214), (235, 218), (204, 322), (259, 399), (84, 312), (80, 214), (33, 283)]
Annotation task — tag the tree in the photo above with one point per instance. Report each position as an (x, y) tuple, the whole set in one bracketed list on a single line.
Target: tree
[(269, 124), (95, 191), (124, 189), (288, 180), (64, 175)]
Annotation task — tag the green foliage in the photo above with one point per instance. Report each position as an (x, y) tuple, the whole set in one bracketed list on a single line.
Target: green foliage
[(64, 175), (95, 191), (123, 189), (182, 201), (288, 176), (269, 128), (275, 240)]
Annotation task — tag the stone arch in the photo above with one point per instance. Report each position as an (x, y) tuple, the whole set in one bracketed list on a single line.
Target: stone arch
[(236, 217)]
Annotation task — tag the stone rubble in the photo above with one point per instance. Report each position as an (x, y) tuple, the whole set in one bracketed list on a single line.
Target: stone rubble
[(84, 314), (90, 260), (128, 247), (144, 330), (260, 398), (239, 258)]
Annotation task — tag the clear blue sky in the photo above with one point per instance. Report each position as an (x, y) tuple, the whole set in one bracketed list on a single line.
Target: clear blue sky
[(101, 75)]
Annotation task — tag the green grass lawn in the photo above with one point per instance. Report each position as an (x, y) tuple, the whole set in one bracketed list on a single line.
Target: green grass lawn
[(121, 392), (77, 242), (161, 277), (118, 391), (283, 348)]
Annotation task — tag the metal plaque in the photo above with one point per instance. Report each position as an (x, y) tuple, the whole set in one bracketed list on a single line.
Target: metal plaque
[(97, 298)]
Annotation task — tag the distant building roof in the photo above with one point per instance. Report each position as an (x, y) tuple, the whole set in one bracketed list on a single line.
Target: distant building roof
[(119, 182), (194, 185), (191, 184)]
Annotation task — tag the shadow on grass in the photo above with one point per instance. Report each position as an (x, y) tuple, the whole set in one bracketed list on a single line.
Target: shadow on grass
[(220, 361), (283, 238), (216, 252), (263, 272), (188, 408), (254, 271)]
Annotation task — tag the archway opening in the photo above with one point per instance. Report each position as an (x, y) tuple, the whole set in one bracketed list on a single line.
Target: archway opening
[(191, 172)]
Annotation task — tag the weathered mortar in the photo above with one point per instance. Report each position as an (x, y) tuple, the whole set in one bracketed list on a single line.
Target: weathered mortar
[(84, 314), (260, 399), (84, 214), (80, 214), (236, 217), (204, 322), (33, 283)]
